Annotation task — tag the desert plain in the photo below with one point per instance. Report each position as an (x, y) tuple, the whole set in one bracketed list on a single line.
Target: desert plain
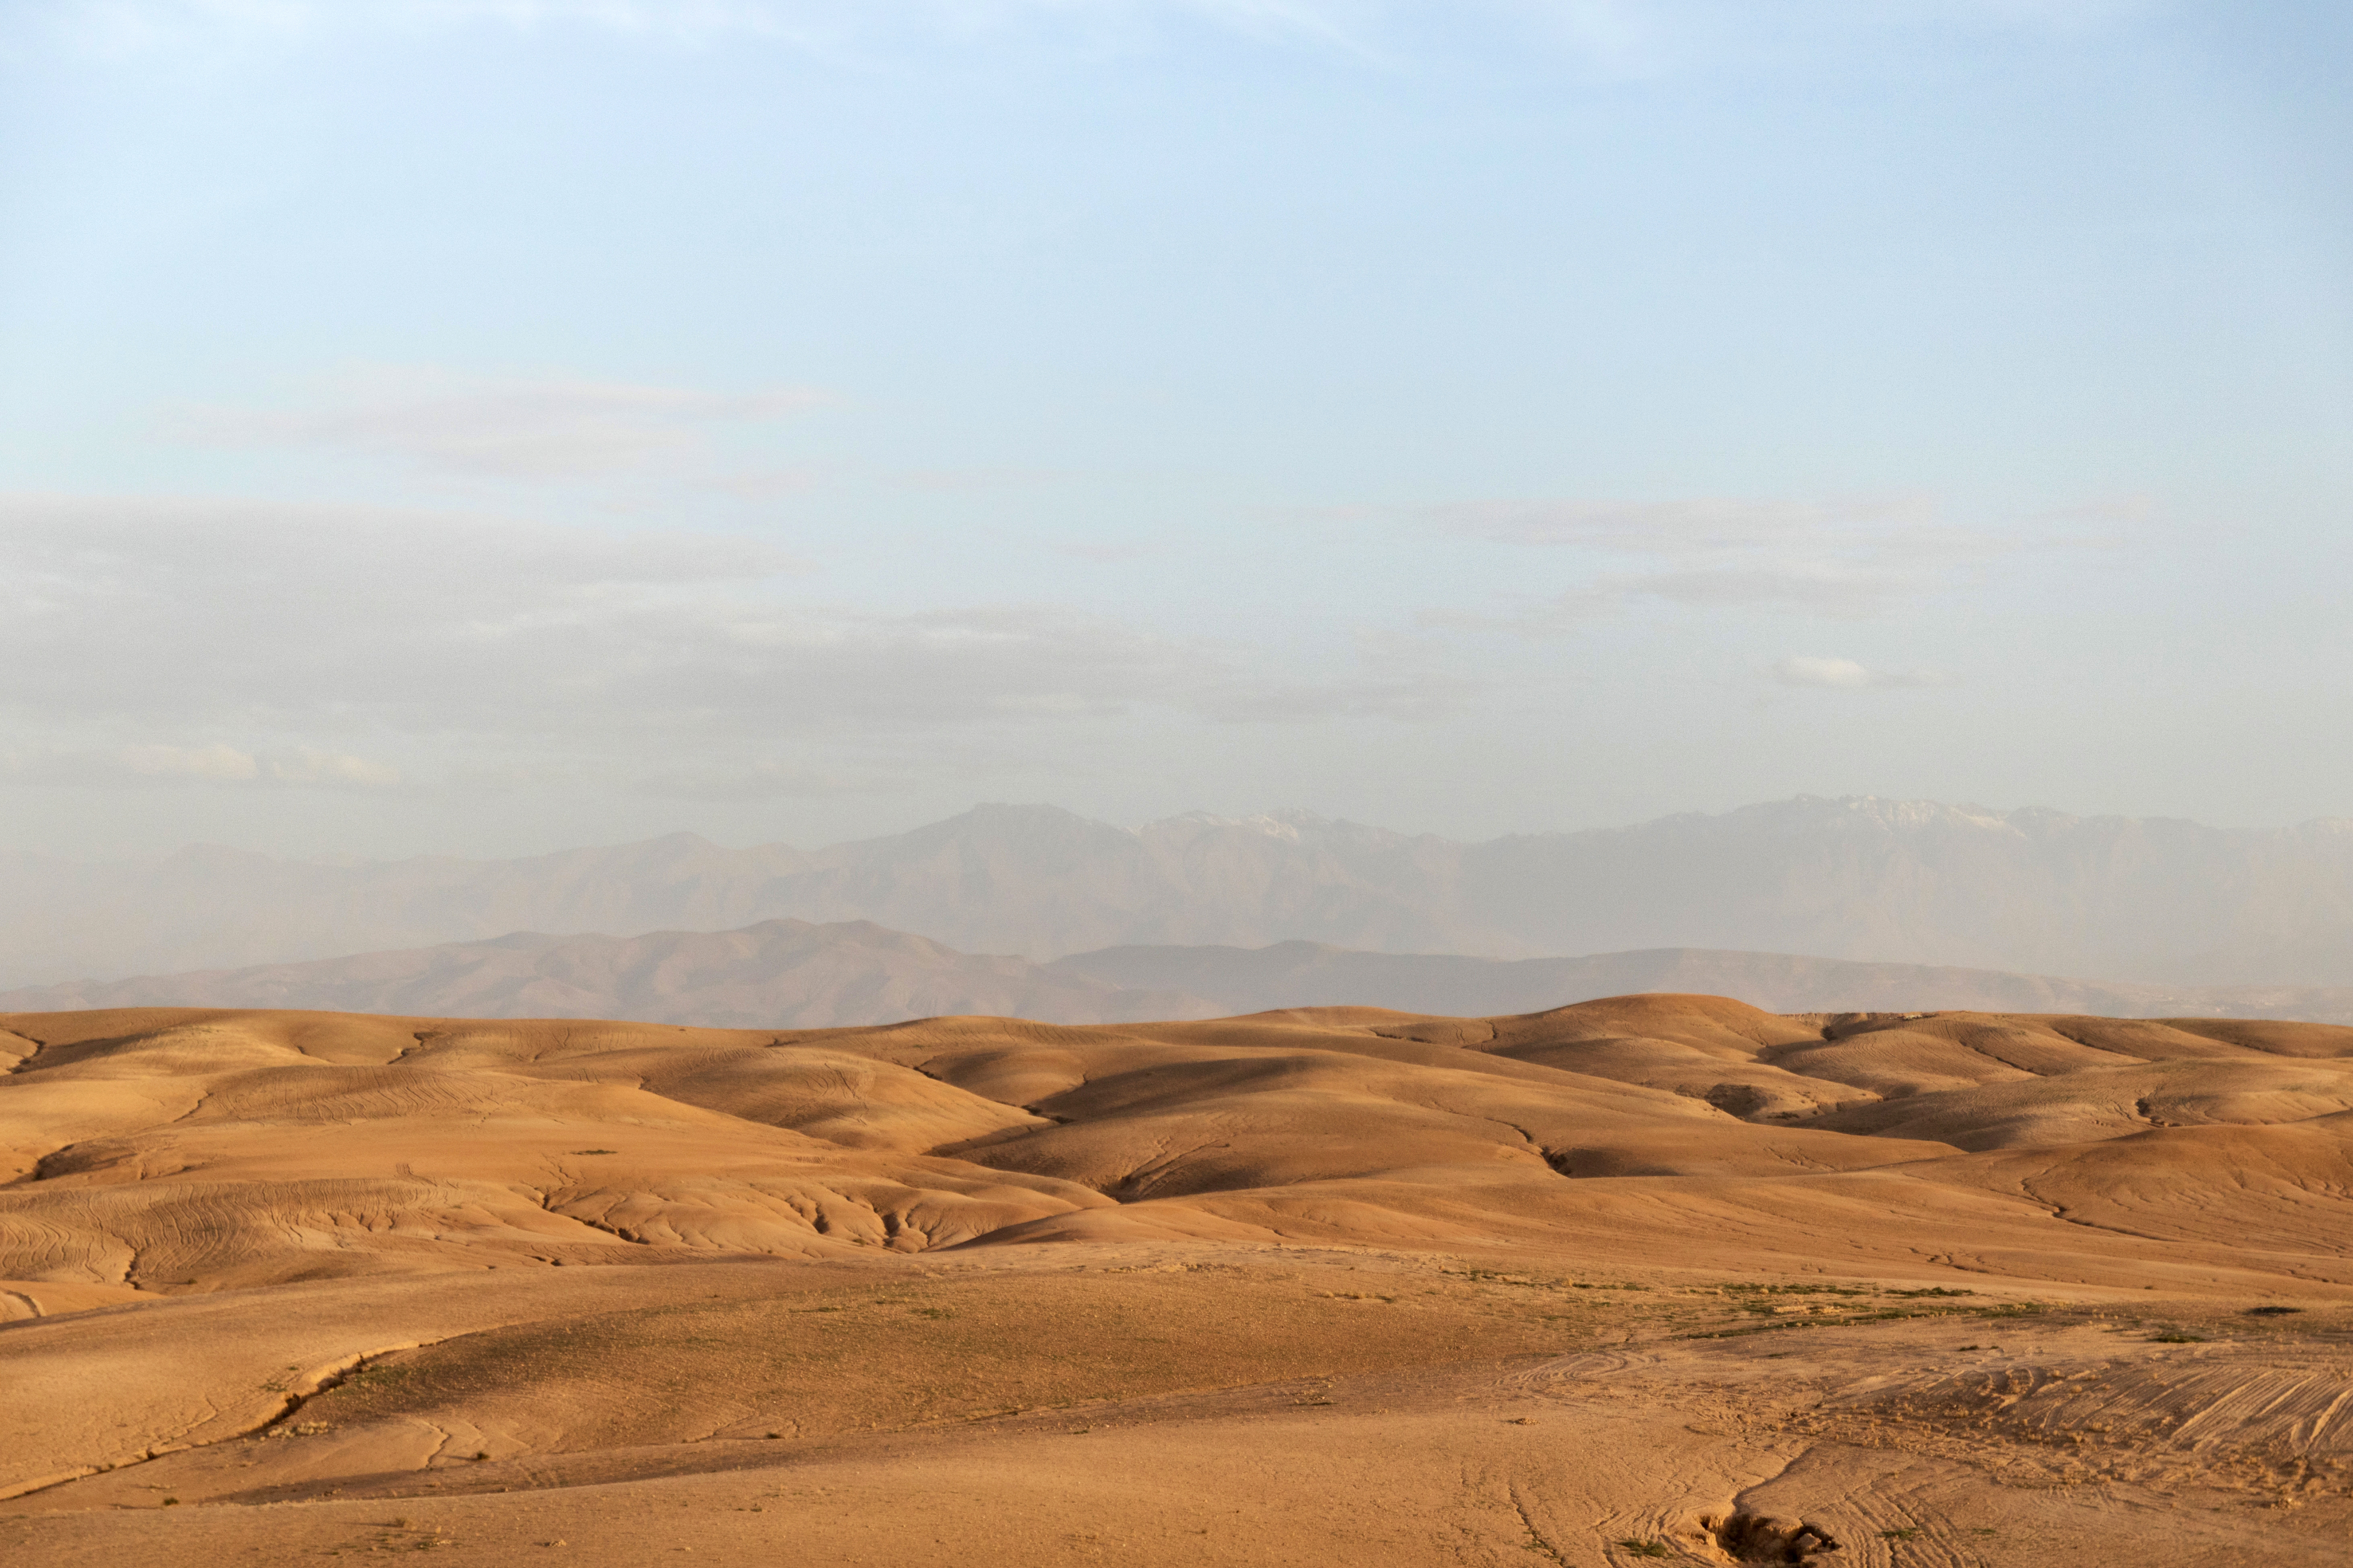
[(1651, 1279)]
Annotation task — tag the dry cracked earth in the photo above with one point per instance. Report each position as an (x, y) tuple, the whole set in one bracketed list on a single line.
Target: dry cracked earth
[(1651, 1279)]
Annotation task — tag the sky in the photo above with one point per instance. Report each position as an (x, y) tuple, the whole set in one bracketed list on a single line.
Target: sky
[(483, 427)]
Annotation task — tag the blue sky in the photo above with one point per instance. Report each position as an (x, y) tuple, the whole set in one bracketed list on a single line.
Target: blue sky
[(486, 427)]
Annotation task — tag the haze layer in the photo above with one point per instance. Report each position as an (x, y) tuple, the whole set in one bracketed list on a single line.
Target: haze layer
[(1915, 882)]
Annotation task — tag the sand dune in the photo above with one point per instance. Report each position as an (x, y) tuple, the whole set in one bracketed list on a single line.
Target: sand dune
[(796, 975), (1651, 1275), (175, 1150)]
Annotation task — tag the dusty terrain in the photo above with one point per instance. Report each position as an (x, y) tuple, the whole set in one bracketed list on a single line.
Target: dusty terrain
[(1651, 1279)]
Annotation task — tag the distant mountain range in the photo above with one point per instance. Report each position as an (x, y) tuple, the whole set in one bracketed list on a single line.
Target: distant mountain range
[(2154, 900), (775, 974), (792, 975)]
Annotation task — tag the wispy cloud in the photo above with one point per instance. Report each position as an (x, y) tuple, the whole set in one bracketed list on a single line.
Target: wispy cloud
[(1674, 527), (763, 780), (823, 27), (968, 481), (1416, 697), (495, 635), (1846, 675), (301, 768), (1115, 552), (1842, 558), (1628, 36), (502, 429)]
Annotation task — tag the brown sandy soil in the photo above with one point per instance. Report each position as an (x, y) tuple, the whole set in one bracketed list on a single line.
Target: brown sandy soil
[(1651, 1278)]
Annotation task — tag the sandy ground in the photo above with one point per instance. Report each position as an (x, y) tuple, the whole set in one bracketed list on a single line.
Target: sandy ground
[(1662, 1279)]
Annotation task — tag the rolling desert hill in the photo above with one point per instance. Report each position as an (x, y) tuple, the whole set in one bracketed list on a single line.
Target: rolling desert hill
[(1647, 1277), (2145, 900), (792, 975)]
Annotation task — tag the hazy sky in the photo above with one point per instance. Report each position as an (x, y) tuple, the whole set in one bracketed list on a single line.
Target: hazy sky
[(494, 425)]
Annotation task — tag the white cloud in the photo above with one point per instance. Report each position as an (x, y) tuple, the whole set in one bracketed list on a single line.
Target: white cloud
[(330, 769), (220, 763), (1652, 36), (970, 481), (768, 484), (1622, 36), (1683, 527), (763, 780), (1106, 553), (1845, 674), (1841, 558), (1831, 585), (496, 636), (1415, 697), (509, 429), (821, 26)]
